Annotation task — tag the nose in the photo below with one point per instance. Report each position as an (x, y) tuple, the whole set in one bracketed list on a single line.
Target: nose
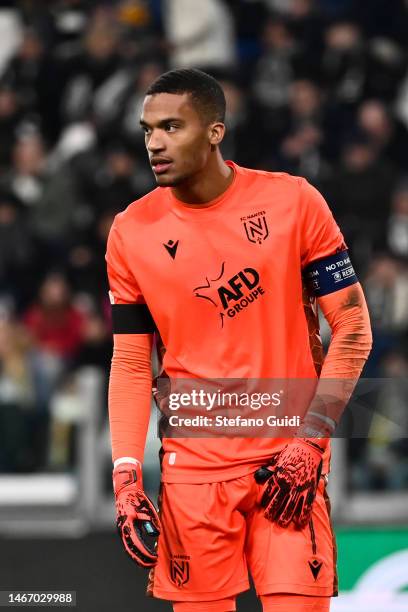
[(155, 142)]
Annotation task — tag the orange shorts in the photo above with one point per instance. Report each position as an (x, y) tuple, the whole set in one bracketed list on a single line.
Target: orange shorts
[(213, 534)]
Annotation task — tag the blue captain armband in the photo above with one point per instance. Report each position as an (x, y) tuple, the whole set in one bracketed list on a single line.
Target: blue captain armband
[(330, 274)]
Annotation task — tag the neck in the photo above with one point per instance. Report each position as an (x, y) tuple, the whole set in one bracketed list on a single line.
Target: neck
[(206, 185)]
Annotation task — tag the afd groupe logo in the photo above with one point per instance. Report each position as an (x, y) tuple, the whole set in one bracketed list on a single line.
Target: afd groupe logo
[(231, 296)]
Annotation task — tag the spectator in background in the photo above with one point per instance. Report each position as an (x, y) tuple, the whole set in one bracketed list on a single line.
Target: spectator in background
[(33, 73), (387, 135), (96, 348), (48, 193), (276, 68), (86, 268), (307, 24), (386, 287), (396, 229), (274, 73), (57, 331), (10, 32), (380, 461), (301, 151), (39, 16), (115, 183), (200, 34), (305, 104), (16, 379), (10, 117), (17, 254), (387, 290), (69, 19), (385, 69), (343, 63), (54, 323), (91, 71), (28, 167), (141, 29), (360, 188), (23, 425), (56, 328)]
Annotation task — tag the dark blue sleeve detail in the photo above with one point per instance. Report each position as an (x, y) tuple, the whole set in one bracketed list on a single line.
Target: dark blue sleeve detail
[(330, 274)]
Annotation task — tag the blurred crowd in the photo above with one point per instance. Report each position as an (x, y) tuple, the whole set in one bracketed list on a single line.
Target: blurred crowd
[(317, 88)]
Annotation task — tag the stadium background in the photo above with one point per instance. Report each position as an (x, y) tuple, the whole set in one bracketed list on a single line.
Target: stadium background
[(317, 88)]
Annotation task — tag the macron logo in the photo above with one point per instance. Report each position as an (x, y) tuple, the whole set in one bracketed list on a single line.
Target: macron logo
[(171, 248)]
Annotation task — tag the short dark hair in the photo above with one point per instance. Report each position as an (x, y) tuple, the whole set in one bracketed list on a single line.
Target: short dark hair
[(206, 93)]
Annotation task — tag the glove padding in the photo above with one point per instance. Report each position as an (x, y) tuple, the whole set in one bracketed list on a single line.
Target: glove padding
[(136, 517), (292, 478)]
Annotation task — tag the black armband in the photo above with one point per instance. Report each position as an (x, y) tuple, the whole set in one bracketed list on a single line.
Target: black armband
[(132, 319)]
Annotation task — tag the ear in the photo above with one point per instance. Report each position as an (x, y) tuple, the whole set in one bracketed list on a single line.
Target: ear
[(216, 133)]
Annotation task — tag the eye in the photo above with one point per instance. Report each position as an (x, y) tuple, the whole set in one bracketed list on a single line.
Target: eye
[(145, 129), (170, 127)]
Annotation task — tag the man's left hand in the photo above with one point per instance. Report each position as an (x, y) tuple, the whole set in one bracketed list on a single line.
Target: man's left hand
[(291, 483)]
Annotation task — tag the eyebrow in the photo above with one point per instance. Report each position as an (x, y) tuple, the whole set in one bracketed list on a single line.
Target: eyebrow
[(163, 122)]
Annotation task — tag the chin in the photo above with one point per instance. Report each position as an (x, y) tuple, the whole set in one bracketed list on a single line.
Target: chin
[(163, 181), (168, 181)]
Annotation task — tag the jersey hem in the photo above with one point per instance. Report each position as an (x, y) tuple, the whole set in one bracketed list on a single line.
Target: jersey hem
[(178, 595), (215, 476), (223, 476)]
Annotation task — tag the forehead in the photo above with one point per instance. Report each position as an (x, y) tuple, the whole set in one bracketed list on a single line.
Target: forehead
[(159, 107)]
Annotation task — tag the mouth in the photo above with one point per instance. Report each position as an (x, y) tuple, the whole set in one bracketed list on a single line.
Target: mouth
[(160, 166)]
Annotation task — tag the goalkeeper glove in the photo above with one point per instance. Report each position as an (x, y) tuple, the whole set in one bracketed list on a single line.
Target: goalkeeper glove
[(291, 481), (136, 517)]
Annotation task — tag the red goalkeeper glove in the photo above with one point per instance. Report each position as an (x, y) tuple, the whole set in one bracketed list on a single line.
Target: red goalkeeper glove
[(291, 481), (136, 517)]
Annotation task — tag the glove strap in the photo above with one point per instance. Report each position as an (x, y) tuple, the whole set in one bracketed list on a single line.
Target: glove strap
[(317, 429), (314, 444), (127, 475)]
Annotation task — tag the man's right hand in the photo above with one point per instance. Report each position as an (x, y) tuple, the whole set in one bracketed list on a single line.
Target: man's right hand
[(136, 517)]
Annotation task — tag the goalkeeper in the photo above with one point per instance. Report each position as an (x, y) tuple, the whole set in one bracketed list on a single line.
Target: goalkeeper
[(227, 265)]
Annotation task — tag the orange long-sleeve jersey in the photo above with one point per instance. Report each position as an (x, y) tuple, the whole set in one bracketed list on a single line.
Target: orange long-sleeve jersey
[(224, 286)]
